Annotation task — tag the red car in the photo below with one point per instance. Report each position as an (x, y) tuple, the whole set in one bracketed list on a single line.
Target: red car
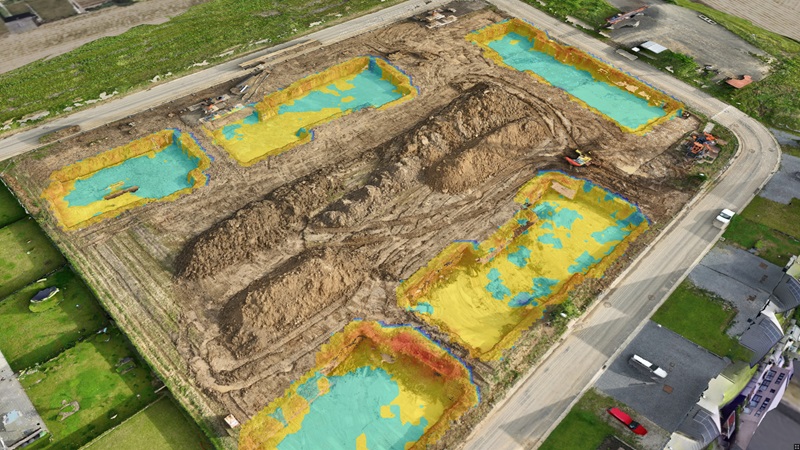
[(634, 426)]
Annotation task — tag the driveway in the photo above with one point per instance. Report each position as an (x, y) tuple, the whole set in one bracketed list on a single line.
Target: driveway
[(739, 277), (665, 402), (785, 185)]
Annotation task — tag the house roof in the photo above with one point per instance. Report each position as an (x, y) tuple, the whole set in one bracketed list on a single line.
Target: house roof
[(762, 335), (786, 294), (741, 82), (653, 47), (700, 425)]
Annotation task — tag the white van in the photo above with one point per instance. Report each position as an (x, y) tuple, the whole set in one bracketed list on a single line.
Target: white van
[(646, 365)]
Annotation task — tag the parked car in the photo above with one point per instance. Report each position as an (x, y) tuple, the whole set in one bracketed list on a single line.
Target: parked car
[(724, 218), (647, 366), (623, 417)]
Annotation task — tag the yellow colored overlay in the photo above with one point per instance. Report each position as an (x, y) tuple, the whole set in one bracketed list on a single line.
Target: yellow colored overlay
[(63, 180), (276, 131), (484, 295), (580, 60), (373, 387)]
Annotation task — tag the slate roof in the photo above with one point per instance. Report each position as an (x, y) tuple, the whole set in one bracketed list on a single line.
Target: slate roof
[(700, 425), (762, 335), (787, 294)]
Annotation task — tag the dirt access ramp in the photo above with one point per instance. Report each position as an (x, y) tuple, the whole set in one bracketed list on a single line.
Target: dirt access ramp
[(230, 291)]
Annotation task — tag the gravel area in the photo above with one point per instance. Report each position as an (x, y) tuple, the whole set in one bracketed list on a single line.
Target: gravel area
[(681, 30), (689, 368), (784, 185)]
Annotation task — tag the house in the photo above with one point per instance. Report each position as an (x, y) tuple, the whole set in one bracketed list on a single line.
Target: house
[(762, 395), (786, 294)]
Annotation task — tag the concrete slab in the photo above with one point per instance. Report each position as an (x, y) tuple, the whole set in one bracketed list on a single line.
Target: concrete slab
[(745, 299), (665, 402), (18, 417), (784, 185)]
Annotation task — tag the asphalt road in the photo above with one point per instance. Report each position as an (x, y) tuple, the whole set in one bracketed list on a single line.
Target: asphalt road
[(539, 401), (119, 108)]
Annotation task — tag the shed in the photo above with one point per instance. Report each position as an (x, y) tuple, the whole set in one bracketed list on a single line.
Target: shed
[(653, 47), (739, 83)]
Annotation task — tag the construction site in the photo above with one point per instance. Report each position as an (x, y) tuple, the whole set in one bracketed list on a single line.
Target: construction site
[(317, 204)]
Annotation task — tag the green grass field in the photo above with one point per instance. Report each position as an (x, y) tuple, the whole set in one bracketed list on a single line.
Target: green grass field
[(784, 218), (702, 318), (214, 31), (774, 246), (593, 12), (89, 374), (10, 209), (27, 255), (162, 426), (27, 338), (587, 425)]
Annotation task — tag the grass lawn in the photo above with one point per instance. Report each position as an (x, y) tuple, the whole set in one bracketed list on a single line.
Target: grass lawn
[(784, 218), (214, 31), (18, 268), (702, 318), (10, 209), (27, 338), (162, 426), (587, 424), (772, 245), (593, 12), (88, 373)]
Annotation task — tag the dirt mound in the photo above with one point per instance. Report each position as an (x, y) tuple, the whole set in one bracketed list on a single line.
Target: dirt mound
[(463, 144), (256, 227), (288, 297)]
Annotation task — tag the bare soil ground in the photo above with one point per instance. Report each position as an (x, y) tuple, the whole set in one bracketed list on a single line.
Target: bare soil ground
[(55, 38), (230, 291)]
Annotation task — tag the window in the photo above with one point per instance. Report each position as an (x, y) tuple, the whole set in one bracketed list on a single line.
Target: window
[(772, 391), (770, 375), (780, 378)]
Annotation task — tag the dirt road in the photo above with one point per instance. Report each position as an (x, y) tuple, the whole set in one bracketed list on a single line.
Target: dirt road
[(537, 404)]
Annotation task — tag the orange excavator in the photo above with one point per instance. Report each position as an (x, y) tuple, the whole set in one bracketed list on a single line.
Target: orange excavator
[(702, 143), (581, 160)]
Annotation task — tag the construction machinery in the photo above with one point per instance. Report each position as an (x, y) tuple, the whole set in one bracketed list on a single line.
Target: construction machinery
[(702, 144), (581, 160)]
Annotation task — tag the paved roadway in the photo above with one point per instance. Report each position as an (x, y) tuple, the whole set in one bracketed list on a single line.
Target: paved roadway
[(539, 401), (122, 107)]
